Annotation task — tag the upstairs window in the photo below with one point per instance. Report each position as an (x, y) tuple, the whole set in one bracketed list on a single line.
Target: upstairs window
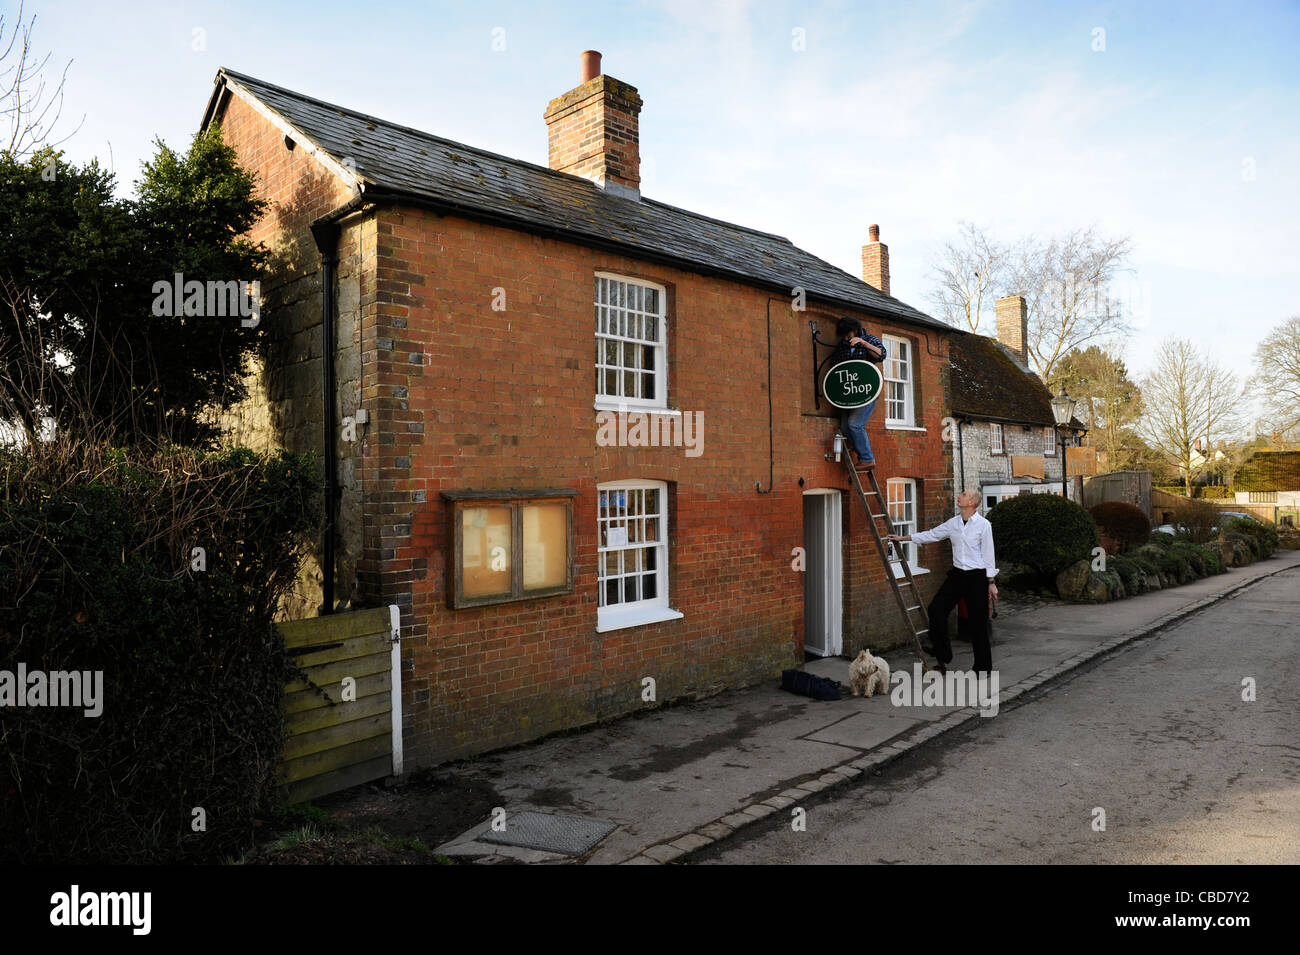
[(995, 439), (631, 343), (899, 374), (1049, 442)]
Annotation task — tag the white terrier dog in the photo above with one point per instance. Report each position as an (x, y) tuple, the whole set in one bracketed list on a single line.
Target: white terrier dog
[(869, 674)]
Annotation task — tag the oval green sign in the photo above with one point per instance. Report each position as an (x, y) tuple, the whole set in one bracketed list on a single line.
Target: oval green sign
[(852, 384)]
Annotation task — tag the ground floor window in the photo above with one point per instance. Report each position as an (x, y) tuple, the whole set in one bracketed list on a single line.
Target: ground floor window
[(902, 514), (632, 553), (992, 493)]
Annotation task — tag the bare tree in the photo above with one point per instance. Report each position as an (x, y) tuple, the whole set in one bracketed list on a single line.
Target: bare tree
[(1190, 406), (30, 109), (964, 274), (1065, 281), (1277, 375)]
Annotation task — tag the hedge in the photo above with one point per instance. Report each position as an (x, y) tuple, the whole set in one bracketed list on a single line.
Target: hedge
[(1265, 535), (1042, 531), (99, 572), (1126, 525)]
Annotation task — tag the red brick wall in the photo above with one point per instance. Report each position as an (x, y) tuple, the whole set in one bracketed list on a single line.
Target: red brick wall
[(465, 397)]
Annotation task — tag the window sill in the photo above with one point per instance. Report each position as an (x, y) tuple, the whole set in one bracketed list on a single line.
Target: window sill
[(624, 407), (903, 427), (897, 568), (607, 620)]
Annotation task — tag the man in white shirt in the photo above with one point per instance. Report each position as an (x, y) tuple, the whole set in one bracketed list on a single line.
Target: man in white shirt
[(971, 577)]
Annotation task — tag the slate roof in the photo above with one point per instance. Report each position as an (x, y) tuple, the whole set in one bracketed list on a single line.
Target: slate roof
[(988, 383), (397, 161), (1269, 471)]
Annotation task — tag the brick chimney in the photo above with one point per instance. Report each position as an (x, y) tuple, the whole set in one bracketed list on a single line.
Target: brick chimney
[(593, 131), (1013, 326), (875, 261)]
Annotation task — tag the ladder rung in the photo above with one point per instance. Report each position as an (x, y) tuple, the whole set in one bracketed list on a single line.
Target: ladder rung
[(876, 516), (917, 607), (919, 632)]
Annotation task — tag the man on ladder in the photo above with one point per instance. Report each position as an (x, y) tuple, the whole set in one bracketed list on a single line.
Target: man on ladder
[(856, 343), (971, 577)]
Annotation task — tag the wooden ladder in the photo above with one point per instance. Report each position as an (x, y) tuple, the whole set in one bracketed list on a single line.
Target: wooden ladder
[(908, 584)]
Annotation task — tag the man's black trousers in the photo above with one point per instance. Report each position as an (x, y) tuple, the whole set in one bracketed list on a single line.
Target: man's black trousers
[(973, 585)]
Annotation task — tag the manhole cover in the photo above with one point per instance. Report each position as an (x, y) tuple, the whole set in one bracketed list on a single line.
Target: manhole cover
[(550, 832)]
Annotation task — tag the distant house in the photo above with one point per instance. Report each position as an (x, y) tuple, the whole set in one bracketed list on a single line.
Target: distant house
[(1269, 477), (1004, 436)]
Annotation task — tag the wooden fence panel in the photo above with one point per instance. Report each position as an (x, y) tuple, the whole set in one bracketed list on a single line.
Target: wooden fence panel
[(331, 742)]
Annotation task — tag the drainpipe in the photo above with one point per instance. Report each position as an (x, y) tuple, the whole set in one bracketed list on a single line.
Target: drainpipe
[(961, 455), (325, 231), (326, 234), (771, 444)]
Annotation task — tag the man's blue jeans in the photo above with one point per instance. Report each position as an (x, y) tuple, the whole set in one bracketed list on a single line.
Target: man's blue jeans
[(854, 425)]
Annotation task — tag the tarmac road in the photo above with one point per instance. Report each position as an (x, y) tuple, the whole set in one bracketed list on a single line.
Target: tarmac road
[(1158, 736)]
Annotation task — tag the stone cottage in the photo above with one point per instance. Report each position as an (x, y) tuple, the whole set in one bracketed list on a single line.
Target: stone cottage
[(1004, 435)]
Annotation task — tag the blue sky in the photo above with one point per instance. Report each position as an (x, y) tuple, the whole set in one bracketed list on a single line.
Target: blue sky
[(1184, 132)]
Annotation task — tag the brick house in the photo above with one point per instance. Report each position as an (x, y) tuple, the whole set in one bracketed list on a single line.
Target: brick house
[(574, 430), (1004, 435)]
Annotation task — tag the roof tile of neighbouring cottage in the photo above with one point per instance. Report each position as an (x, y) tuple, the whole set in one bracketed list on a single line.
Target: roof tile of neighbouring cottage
[(397, 161), (988, 383), (1269, 471)]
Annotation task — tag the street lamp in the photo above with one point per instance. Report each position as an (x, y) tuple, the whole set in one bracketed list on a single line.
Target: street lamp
[(1062, 412)]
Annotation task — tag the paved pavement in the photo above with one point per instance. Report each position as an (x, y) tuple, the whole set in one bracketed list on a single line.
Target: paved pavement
[(675, 780), (1149, 757)]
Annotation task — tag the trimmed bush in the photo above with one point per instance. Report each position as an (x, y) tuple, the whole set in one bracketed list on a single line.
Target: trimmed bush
[(1150, 565), (1212, 560), (1265, 534), (1162, 540), (1042, 531), (1194, 555), (1121, 525), (1250, 542), (1129, 571), (98, 572), (1179, 568)]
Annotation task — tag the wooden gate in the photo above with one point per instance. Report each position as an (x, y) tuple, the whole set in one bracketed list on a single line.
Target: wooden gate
[(343, 723)]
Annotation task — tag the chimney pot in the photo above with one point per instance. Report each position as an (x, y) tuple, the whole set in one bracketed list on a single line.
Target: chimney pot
[(593, 131), (874, 231)]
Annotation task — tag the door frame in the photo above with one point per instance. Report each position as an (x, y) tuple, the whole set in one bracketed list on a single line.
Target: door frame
[(831, 592)]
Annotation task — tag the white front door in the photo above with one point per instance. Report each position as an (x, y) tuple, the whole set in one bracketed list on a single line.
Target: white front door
[(823, 574)]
